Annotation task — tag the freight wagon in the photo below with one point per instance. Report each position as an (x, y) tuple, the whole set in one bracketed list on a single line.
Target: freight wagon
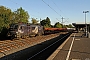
[(54, 30)]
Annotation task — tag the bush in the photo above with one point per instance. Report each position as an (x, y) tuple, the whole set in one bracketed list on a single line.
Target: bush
[(3, 33)]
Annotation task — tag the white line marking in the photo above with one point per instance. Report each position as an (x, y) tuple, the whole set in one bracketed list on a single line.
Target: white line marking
[(47, 47), (58, 49), (70, 48), (77, 39), (76, 59)]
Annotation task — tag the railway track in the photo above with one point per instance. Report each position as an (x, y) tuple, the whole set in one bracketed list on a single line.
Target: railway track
[(8, 47), (46, 52), (37, 52)]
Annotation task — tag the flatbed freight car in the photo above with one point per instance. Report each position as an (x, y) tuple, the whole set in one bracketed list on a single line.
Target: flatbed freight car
[(54, 30)]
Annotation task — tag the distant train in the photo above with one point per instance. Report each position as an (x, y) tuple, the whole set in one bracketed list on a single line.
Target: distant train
[(21, 30)]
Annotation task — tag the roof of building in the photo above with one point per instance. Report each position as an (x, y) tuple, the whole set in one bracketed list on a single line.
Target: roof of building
[(81, 25)]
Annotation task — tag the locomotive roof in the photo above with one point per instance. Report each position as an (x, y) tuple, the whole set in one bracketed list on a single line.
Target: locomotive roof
[(26, 24)]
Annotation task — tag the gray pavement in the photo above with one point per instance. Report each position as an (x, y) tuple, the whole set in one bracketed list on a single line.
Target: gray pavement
[(76, 48)]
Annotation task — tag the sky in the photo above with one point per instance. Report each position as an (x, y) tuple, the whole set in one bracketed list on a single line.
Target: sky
[(70, 10)]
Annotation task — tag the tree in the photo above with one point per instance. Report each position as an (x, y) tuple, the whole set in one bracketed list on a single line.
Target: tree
[(43, 22), (70, 26), (5, 20), (34, 21), (8, 17), (21, 15), (46, 26), (46, 22), (64, 26), (58, 25), (5, 17)]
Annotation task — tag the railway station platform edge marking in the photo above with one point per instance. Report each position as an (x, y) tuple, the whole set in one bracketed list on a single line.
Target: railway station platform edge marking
[(58, 49), (67, 58)]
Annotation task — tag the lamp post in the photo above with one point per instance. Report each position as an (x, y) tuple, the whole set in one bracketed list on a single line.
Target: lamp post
[(85, 22)]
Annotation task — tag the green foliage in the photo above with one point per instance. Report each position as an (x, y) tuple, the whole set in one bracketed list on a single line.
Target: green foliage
[(34, 21), (58, 25), (46, 26), (21, 15), (8, 17), (5, 17), (3, 32), (46, 22), (70, 26), (52, 26), (64, 26), (43, 22)]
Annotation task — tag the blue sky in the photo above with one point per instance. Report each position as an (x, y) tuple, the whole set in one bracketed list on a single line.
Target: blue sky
[(71, 10)]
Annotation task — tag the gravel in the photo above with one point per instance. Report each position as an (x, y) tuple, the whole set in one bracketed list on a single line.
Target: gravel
[(8, 47)]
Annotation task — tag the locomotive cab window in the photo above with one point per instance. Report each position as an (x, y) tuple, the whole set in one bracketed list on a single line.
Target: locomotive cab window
[(12, 27), (16, 26)]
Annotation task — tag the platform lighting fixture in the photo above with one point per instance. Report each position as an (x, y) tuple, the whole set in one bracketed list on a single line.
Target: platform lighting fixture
[(85, 21)]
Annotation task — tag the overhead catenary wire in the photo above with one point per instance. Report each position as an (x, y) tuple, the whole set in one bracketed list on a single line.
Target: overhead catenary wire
[(58, 19), (36, 11), (52, 8), (59, 10), (57, 6)]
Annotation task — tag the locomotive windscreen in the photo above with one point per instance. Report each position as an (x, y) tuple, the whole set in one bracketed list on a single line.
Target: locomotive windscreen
[(13, 27)]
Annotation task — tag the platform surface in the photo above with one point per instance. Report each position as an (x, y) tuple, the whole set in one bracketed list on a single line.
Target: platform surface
[(76, 48)]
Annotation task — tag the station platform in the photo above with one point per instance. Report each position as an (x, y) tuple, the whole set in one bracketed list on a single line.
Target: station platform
[(76, 47)]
